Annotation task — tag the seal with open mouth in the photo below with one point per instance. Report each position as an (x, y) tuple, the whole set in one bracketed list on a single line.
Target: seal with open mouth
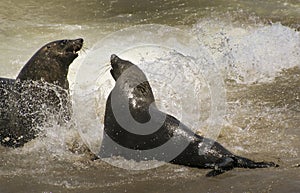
[(39, 91), (133, 126)]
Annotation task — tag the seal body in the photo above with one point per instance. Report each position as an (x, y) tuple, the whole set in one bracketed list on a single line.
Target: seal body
[(135, 128), (40, 91)]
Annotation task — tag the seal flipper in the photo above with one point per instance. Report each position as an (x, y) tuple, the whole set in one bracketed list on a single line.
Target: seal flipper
[(215, 173), (228, 163), (247, 163), (223, 164)]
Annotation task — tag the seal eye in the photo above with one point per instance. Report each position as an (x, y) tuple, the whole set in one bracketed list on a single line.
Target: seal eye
[(63, 42), (48, 47)]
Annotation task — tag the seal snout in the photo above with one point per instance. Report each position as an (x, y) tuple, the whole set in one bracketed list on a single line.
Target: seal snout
[(115, 62), (80, 40), (73, 46), (78, 43), (114, 59)]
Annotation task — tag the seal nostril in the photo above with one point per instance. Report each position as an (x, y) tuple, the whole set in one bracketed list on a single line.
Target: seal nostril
[(79, 40), (114, 58)]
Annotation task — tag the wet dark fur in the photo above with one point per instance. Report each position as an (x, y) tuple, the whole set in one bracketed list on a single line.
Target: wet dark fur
[(40, 88), (215, 156)]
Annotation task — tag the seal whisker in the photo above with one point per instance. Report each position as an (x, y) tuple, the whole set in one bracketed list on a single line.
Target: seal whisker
[(106, 68), (83, 50), (107, 65)]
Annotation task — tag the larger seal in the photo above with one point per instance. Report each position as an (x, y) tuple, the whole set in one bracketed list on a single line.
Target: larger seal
[(130, 135), (39, 92)]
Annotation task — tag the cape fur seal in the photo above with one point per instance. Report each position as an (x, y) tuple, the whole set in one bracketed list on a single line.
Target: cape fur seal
[(130, 135), (39, 91)]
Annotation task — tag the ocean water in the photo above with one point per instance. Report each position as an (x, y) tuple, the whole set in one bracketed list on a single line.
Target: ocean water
[(229, 70)]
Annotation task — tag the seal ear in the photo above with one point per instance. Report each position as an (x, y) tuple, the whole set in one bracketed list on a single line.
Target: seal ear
[(48, 46)]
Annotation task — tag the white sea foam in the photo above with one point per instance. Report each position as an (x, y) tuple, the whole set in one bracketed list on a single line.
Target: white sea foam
[(253, 53)]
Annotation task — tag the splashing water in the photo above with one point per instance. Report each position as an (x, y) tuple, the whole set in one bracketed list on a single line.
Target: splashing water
[(259, 61), (254, 55)]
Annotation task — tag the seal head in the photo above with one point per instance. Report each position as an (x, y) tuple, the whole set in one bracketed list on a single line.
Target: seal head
[(132, 85), (51, 62)]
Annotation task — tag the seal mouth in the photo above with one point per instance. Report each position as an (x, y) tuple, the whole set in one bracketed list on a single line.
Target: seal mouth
[(114, 59), (74, 46)]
